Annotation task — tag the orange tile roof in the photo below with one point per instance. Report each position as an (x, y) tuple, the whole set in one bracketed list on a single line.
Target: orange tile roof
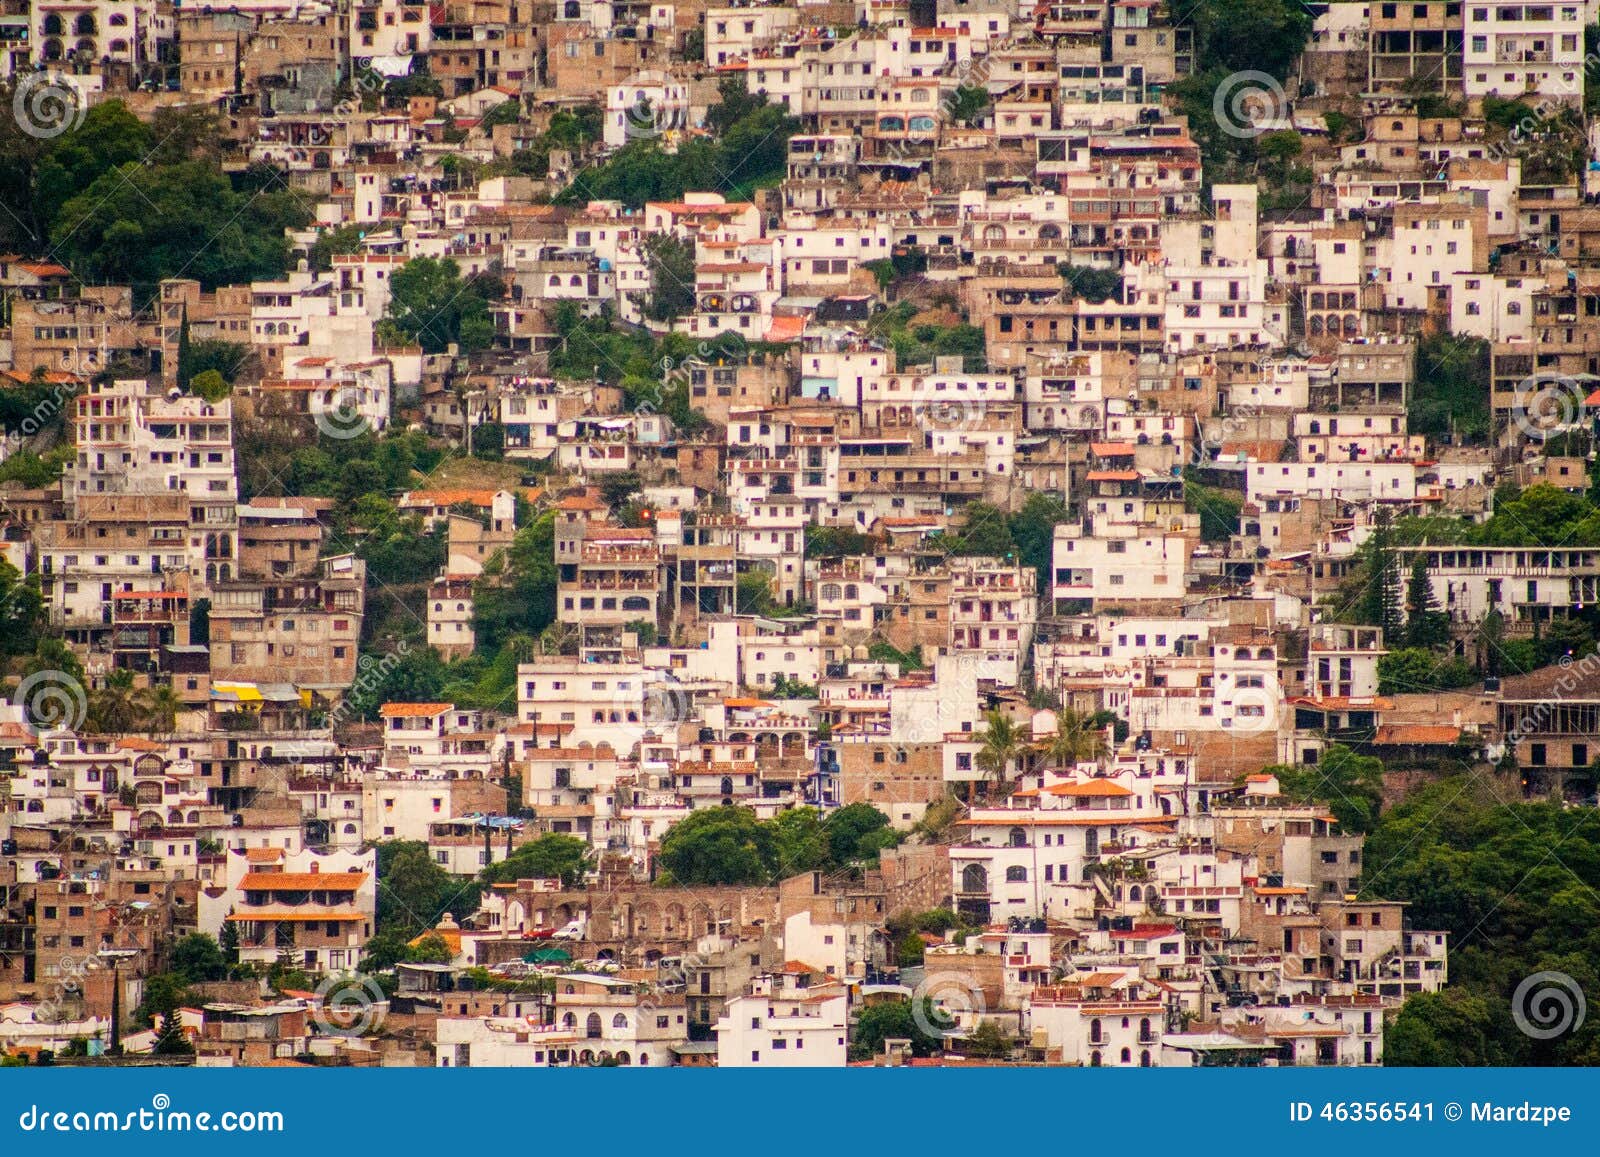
[(413, 710), (303, 881), (474, 497), (1099, 788)]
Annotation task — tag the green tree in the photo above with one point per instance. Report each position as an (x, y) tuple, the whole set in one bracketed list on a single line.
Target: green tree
[(507, 112), (1219, 510), (1241, 35), (342, 241), (672, 277), (1076, 740), (722, 845), (1409, 670), (164, 994), (414, 892), (753, 594), (198, 958), (858, 831), (1451, 392), (210, 385), (1350, 785), (1426, 624), (1002, 744), (523, 600), (897, 1020), (1033, 529), (21, 610), (431, 304), (113, 707), (429, 949), (801, 842), (1452, 1028), (1379, 604), (551, 856), (140, 223), (984, 530), (617, 488), (968, 104), (224, 358), (1092, 283)]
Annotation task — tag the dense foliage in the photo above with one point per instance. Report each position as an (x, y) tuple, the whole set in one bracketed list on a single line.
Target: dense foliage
[(748, 152), (729, 845), (1514, 884)]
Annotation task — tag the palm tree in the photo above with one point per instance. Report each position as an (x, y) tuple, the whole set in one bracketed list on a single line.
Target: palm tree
[(160, 706), (1075, 740), (111, 707), (1002, 743)]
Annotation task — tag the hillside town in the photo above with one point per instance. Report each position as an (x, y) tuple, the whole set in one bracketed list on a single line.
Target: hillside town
[(865, 532)]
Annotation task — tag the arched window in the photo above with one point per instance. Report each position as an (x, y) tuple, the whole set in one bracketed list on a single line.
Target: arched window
[(1126, 1056), (974, 878), (1094, 1060), (592, 1026), (619, 1021), (1096, 1032), (1017, 838)]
